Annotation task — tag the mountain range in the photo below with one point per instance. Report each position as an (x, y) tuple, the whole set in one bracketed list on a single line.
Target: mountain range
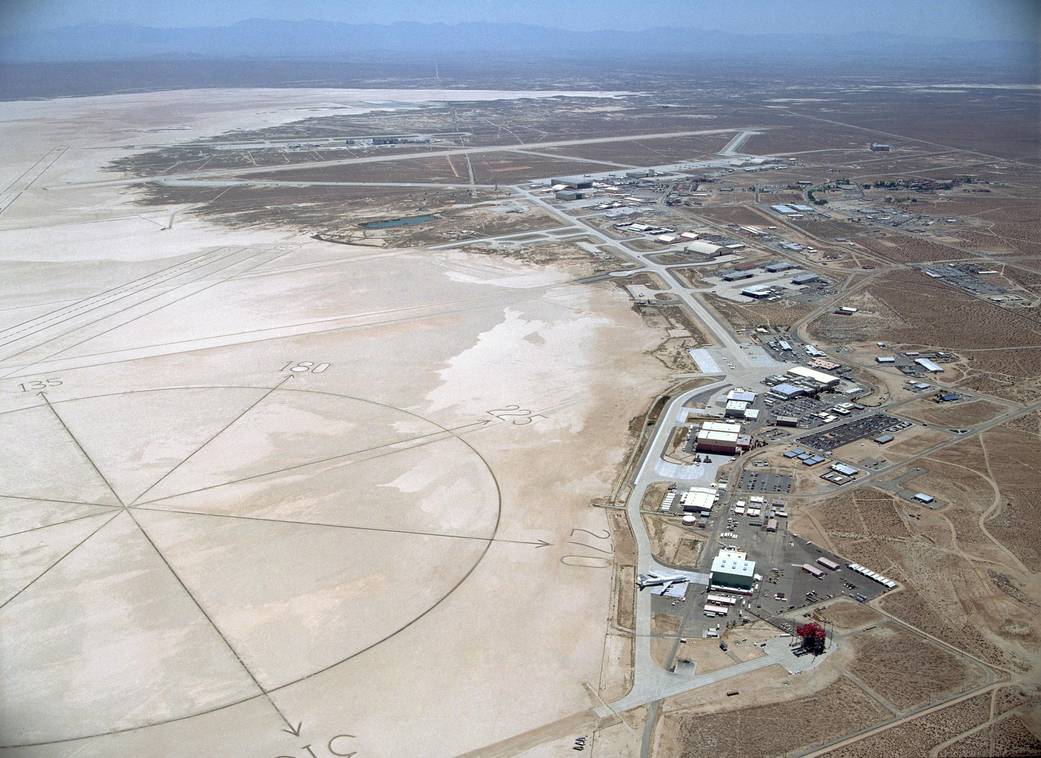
[(261, 38)]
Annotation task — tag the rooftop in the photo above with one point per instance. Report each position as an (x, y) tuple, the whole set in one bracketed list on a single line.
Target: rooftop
[(733, 562)]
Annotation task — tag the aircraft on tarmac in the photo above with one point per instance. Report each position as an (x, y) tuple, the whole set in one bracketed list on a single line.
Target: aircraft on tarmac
[(651, 579)]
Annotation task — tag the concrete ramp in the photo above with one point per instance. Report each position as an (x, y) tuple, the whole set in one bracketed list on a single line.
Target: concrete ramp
[(706, 363), (758, 357), (680, 472)]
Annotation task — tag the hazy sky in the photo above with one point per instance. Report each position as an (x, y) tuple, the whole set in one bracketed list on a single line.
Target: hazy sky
[(968, 19)]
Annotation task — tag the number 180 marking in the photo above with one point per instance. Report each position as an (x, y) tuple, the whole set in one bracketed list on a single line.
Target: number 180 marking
[(303, 367)]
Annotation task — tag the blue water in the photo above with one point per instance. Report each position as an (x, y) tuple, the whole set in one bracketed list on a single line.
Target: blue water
[(389, 223)]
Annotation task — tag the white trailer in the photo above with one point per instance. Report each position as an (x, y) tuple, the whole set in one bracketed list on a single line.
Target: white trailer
[(721, 599), (812, 571)]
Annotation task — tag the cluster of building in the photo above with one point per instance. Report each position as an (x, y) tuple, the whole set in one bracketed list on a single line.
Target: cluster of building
[(755, 506), (804, 381), (772, 288), (612, 185), (767, 292), (913, 362), (840, 473), (972, 279), (784, 346), (804, 457), (392, 139), (727, 436), (739, 405)]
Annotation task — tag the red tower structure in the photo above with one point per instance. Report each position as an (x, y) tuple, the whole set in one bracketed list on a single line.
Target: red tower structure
[(813, 637)]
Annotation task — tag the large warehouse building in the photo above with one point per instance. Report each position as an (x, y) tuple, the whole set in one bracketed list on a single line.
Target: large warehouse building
[(931, 366), (719, 437), (698, 500), (705, 248), (731, 568), (572, 182)]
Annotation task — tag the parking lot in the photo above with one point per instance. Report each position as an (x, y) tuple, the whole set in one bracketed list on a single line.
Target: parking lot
[(801, 408), (765, 481), (856, 429), (787, 586)]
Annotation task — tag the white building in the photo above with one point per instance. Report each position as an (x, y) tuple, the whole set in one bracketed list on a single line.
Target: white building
[(720, 426), (704, 248), (732, 568), (736, 408), (930, 366), (699, 499), (720, 437), (818, 377), (757, 293)]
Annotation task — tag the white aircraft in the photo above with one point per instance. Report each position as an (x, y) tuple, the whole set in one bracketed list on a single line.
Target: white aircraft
[(651, 579)]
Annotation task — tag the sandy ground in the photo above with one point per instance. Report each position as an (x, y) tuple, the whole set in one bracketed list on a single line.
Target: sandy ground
[(203, 545)]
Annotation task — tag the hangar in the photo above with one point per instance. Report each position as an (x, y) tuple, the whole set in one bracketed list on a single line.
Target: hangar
[(731, 568), (931, 366), (788, 391), (700, 499), (704, 248), (573, 182), (719, 437), (733, 276), (736, 408), (757, 293)]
